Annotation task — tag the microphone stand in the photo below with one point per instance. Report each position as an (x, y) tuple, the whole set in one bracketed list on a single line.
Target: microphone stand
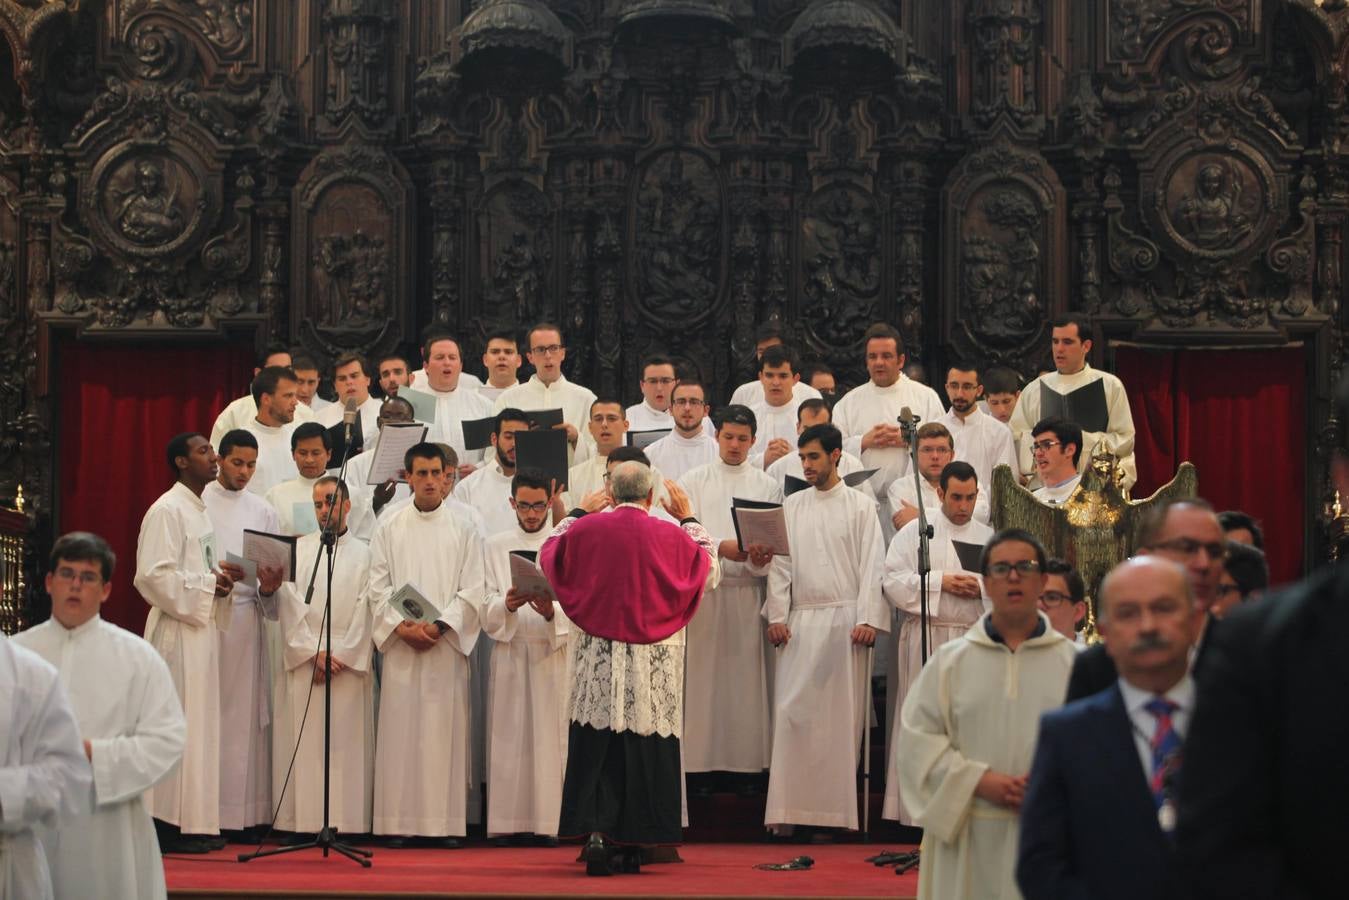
[(910, 431), (326, 839)]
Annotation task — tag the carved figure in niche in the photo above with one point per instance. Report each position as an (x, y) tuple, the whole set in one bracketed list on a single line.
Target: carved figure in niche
[(821, 289), (1001, 271), (678, 243), (350, 273), (848, 234), (147, 213), (517, 274), (1212, 215)]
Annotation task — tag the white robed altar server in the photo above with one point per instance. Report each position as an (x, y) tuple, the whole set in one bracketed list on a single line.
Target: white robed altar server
[(352, 683), (422, 757), (688, 446), (43, 771), (130, 719), (366, 510), (955, 593), (488, 490), (275, 463), (176, 573), (726, 696), (242, 410), (868, 415), (823, 607), (456, 399), (968, 727), (246, 647), (981, 440), (548, 388), (529, 684), (285, 499), (293, 500), (1071, 343)]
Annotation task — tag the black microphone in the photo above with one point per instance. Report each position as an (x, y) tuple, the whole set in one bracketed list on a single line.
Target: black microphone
[(349, 413), (907, 422)]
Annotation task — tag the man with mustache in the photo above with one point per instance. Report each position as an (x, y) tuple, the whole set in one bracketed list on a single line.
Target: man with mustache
[(1100, 804)]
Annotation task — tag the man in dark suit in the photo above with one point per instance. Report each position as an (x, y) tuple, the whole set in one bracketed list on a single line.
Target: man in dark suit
[(1264, 804), (1099, 804), (1187, 533)]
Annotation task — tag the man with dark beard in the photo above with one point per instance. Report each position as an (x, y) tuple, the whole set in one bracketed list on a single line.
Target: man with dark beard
[(488, 490), (529, 686), (981, 440)]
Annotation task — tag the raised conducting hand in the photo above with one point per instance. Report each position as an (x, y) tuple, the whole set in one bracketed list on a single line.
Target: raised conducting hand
[(595, 501), (676, 502)]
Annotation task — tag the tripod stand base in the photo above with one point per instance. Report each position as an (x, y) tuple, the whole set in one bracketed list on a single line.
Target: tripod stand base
[(325, 840)]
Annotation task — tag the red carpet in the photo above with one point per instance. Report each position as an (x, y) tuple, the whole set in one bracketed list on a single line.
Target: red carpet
[(708, 870)]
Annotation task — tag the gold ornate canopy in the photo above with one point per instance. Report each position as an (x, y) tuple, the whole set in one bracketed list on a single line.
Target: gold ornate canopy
[(1094, 529)]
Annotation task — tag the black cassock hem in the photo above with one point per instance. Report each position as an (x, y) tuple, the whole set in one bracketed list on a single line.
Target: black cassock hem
[(622, 785)]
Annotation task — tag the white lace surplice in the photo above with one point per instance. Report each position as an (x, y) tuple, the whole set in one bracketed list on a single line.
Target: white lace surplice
[(634, 687), (648, 679)]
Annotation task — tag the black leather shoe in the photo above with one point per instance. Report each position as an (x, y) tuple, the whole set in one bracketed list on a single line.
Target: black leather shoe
[(597, 855), (628, 861), (183, 844)]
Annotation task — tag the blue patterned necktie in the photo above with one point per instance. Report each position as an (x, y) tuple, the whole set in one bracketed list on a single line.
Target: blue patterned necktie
[(1165, 748)]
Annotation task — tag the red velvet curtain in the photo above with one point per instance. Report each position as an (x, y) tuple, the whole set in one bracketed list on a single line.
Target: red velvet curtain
[(119, 406), (1241, 417)]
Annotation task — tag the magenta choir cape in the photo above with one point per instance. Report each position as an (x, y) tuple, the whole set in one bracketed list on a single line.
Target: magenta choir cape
[(625, 575)]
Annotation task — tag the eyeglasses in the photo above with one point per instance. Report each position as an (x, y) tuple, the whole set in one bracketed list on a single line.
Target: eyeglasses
[(658, 381), (547, 351), (1024, 567), (689, 401), (1189, 547), (84, 578), (1053, 599), (531, 507), (1043, 446)]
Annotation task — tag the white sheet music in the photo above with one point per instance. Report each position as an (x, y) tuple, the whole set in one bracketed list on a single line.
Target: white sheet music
[(394, 442), (273, 551), (763, 526), (527, 579)]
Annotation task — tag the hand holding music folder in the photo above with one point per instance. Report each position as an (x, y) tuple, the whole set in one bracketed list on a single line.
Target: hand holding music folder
[(760, 524)]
